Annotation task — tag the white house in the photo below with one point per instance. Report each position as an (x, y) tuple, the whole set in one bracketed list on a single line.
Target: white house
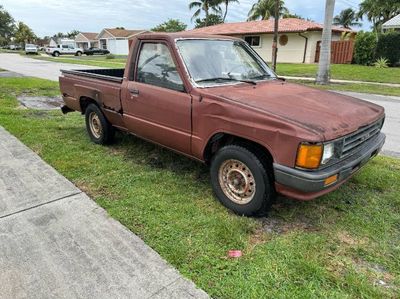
[(116, 40), (298, 40), (86, 40), (392, 24)]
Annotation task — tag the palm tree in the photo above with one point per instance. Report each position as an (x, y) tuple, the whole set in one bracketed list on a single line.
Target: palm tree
[(226, 2), (206, 6), (378, 12), (264, 9), (323, 75), (346, 18)]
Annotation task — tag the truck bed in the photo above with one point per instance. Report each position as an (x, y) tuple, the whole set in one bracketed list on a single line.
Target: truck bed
[(115, 75)]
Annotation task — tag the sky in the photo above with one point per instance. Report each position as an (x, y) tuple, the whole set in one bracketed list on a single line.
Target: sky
[(52, 16)]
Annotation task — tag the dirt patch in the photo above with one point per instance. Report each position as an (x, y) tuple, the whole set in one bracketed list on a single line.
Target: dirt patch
[(40, 103)]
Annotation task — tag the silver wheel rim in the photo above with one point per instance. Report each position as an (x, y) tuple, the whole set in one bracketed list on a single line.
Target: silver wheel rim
[(237, 181), (95, 125)]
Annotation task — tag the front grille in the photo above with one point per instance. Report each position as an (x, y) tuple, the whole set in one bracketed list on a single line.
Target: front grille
[(353, 141)]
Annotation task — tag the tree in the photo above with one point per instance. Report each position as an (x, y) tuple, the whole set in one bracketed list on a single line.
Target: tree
[(206, 6), (172, 25), (7, 26), (265, 9), (346, 19), (323, 75), (227, 2), (213, 19), (24, 34), (73, 33), (378, 12)]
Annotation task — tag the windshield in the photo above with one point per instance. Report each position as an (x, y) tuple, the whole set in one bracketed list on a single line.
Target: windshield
[(211, 61), (30, 46)]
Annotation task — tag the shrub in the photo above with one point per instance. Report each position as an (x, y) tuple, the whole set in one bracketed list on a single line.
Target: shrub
[(381, 63), (389, 46), (364, 48), (110, 56)]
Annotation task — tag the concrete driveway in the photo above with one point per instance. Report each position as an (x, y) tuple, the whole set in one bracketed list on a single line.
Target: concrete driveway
[(55, 242)]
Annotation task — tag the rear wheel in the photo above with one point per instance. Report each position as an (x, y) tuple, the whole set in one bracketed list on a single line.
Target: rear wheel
[(241, 181), (79, 53), (56, 54), (99, 129)]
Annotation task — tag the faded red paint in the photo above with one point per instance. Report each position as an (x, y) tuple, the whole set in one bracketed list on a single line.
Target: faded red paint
[(275, 114)]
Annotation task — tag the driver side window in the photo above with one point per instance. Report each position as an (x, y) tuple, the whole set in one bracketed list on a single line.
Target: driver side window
[(156, 67)]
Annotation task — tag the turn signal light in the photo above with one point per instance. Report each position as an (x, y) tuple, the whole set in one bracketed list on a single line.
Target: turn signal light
[(309, 155), (330, 180)]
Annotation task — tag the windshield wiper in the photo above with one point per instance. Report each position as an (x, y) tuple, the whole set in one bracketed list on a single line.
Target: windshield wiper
[(263, 76), (216, 79)]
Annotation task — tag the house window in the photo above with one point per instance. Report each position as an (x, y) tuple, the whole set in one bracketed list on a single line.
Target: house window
[(103, 44), (253, 40)]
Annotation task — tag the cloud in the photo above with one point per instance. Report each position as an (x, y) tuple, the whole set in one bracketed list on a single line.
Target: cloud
[(52, 16)]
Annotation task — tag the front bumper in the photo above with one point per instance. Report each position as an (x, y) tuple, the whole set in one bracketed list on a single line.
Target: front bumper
[(306, 185)]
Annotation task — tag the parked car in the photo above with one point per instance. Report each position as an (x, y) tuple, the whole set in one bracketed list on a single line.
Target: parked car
[(94, 51), (64, 50), (212, 98), (31, 49)]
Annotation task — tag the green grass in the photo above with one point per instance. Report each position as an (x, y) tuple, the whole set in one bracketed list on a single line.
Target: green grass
[(338, 246), (343, 71), (100, 61), (363, 88)]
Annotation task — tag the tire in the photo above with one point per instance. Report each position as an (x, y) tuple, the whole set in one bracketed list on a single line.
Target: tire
[(99, 129), (240, 180), (79, 53), (56, 54)]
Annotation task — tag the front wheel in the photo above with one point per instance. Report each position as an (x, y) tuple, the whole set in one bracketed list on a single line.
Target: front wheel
[(99, 129), (241, 181), (56, 54)]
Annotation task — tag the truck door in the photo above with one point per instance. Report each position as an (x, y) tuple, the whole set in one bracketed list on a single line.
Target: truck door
[(155, 103)]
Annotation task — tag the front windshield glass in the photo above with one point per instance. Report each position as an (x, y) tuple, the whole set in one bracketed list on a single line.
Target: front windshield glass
[(212, 61)]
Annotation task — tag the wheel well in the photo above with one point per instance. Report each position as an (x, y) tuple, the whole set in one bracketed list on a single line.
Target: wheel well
[(221, 139), (84, 103)]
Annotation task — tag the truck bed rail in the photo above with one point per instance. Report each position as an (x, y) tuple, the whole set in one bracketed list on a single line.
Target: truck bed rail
[(115, 75)]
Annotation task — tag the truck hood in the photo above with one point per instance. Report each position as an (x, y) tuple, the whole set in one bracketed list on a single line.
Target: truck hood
[(325, 113)]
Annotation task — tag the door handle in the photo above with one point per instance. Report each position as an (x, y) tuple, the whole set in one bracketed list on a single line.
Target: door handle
[(134, 91)]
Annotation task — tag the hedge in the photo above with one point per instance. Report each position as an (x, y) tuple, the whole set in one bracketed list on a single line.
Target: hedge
[(364, 48), (388, 47)]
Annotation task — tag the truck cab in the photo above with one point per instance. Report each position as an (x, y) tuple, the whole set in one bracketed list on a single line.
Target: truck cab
[(213, 99)]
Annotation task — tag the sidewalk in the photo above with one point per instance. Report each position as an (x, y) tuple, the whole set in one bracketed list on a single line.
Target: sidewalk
[(55, 242), (342, 81)]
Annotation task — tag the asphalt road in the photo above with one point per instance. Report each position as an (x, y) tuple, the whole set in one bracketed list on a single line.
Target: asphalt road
[(51, 70)]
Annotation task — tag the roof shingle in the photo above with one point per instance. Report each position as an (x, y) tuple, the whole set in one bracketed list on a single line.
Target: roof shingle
[(89, 35), (265, 26), (123, 32)]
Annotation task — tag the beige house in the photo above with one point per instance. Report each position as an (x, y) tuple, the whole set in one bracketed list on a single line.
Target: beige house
[(116, 40), (86, 40), (298, 40)]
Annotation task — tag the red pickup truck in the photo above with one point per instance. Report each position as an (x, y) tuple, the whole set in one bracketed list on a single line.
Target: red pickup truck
[(212, 98)]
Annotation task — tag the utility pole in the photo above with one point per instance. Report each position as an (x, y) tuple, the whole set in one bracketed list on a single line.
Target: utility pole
[(275, 40), (323, 76)]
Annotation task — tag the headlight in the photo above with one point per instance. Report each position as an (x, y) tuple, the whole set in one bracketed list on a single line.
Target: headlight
[(311, 156), (329, 151)]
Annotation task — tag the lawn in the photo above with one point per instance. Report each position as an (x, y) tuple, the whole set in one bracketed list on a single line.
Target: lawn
[(363, 88), (343, 245), (342, 71), (100, 61)]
